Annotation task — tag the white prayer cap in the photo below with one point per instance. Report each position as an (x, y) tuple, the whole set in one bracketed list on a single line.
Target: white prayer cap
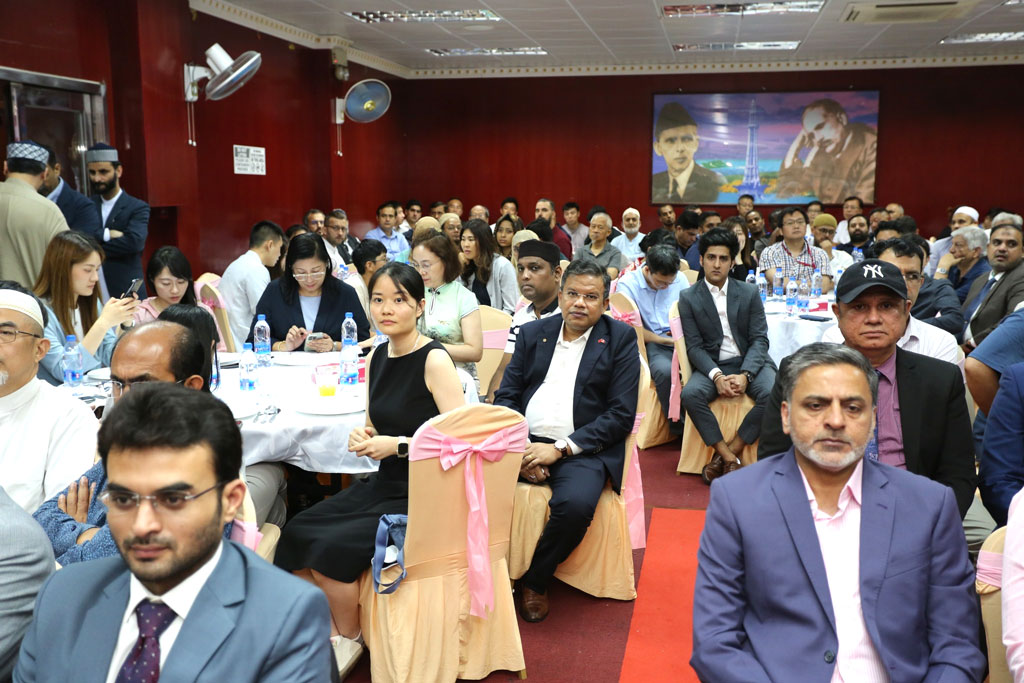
[(101, 151), (632, 211), (967, 211), (27, 149), (14, 300)]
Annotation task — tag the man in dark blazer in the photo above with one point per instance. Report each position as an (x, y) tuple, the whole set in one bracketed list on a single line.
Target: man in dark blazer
[(125, 221), (78, 210), (934, 435), (993, 298), (726, 338), (676, 140), (180, 603), (821, 564), (575, 378)]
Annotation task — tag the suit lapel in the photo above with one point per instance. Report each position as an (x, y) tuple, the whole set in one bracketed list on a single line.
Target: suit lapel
[(732, 307), (911, 407), (210, 621), (545, 350), (710, 312), (115, 210), (876, 529), (596, 345), (788, 487), (94, 647)]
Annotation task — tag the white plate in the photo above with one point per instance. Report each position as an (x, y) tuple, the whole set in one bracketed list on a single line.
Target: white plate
[(98, 375), (243, 409), (303, 358), (339, 404), (228, 359)]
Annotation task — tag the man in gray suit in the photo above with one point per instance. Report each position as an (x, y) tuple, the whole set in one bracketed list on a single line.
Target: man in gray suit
[(25, 562), (727, 343), (180, 603)]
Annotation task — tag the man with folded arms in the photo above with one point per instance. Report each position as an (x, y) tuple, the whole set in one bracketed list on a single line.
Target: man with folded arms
[(820, 564), (47, 436), (575, 379), (179, 603)]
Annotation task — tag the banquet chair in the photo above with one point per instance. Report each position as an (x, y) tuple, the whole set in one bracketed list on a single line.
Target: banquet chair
[(426, 630), (264, 541), (208, 278), (602, 564), (495, 325), (729, 412), (210, 295), (691, 275), (654, 426), (989, 586)]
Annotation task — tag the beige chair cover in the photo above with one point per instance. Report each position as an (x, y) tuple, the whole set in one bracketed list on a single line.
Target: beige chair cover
[(602, 564), (265, 544), (423, 631), (691, 275), (992, 614), (495, 325), (728, 411), (210, 295)]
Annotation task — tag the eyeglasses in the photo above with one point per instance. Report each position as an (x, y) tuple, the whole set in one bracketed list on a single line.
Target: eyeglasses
[(125, 502), (383, 258), (117, 387), (793, 221), (589, 299), (306, 277), (9, 334), (422, 266)]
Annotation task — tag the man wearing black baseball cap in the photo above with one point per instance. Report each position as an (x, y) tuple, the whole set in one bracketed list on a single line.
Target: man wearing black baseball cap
[(922, 424)]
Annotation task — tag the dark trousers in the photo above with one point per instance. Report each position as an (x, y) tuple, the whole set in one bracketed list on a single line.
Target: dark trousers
[(659, 360), (700, 391), (576, 484)]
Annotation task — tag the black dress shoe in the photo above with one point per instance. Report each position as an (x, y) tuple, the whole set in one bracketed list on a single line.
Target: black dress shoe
[(533, 606), (713, 469)]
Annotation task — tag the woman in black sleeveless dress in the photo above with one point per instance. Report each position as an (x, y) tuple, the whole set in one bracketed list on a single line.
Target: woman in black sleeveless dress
[(410, 380)]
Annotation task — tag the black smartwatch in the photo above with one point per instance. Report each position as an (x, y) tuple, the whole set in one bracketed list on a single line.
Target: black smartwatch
[(403, 447)]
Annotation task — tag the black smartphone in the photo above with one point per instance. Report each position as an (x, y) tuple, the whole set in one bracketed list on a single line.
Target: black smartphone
[(133, 288), (815, 318)]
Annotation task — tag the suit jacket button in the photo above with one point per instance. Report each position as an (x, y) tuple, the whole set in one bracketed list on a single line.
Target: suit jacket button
[(830, 656)]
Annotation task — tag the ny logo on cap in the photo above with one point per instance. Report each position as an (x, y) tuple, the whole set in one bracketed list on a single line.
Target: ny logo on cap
[(874, 270)]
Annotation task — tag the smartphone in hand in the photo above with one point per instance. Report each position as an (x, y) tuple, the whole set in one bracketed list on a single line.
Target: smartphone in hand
[(133, 288)]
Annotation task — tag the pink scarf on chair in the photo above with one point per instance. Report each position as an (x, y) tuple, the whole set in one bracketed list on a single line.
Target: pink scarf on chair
[(428, 442), (633, 494)]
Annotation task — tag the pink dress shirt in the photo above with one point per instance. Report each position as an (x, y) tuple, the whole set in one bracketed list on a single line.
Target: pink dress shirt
[(146, 312), (890, 429), (839, 538)]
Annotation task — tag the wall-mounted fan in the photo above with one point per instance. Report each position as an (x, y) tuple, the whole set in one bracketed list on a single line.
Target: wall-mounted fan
[(225, 75), (366, 101)]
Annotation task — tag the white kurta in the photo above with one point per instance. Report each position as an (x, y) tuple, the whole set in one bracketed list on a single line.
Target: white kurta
[(49, 440)]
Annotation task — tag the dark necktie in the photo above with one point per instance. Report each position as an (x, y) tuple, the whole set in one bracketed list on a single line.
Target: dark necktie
[(343, 251), (973, 306), (871, 450), (143, 663)]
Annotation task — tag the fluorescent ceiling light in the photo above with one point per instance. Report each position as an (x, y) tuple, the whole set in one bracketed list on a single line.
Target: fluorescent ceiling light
[(683, 11), (430, 15), (485, 51), (962, 38), (726, 47), (1011, 3)]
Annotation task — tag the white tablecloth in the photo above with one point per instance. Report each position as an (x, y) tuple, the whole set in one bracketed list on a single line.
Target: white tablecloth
[(787, 334)]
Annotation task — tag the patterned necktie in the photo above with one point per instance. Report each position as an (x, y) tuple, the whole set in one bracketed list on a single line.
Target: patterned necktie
[(972, 308), (871, 450), (143, 663)]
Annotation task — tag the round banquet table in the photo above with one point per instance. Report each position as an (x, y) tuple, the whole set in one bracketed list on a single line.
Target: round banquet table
[(786, 333)]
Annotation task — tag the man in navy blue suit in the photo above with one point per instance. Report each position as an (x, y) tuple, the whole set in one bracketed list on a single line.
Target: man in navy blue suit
[(575, 379), (821, 563), (1003, 473), (79, 212), (124, 221)]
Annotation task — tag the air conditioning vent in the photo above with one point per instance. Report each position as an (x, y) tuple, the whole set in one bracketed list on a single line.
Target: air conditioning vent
[(905, 12)]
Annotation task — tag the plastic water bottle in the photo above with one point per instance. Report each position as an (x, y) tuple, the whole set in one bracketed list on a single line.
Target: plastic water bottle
[(214, 373), (803, 297), (791, 296), (762, 286), (349, 351), (261, 341), (72, 362), (778, 289), (751, 278), (835, 283), (816, 284), (858, 254), (379, 339), (247, 367)]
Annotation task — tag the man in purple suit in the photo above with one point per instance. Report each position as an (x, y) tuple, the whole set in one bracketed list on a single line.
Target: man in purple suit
[(822, 564)]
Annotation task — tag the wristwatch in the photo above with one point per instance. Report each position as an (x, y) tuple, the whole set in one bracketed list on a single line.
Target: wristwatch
[(562, 446), (403, 447), (749, 374), (942, 271)]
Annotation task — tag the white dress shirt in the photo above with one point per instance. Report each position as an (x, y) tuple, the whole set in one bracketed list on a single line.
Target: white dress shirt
[(356, 282), (106, 206), (729, 348), (840, 260), (919, 337), (839, 539), (242, 285), (969, 335), (47, 440), (549, 412), (180, 599)]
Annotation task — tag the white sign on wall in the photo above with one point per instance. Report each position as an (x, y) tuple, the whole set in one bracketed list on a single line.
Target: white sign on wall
[(250, 160)]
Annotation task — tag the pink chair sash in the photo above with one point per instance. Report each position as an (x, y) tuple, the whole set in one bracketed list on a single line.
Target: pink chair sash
[(495, 339), (431, 443), (990, 568), (675, 393), (628, 317), (246, 533), (633, 494)]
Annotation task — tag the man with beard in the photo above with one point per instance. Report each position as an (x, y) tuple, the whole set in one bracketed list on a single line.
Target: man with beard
[(824, 231), (339, 241), (667, 216), (820, 564), (125, 222), (179, 603), (629, 242), (860, 234), (992, 299), (79, 212), (684, 180)]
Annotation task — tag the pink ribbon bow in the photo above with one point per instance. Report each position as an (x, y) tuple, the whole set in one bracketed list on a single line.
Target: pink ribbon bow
[(990, 568), (430, 443), (495, 339), (675, 393), (628, 317), (633, 494)]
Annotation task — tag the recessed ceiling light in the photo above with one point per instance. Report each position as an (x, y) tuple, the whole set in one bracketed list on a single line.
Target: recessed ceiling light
[(430, 15), (725, 47), (485, 51), (962, 38), (681, 11)]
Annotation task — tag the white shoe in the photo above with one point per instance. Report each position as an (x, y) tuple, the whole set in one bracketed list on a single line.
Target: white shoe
[(346, 653)]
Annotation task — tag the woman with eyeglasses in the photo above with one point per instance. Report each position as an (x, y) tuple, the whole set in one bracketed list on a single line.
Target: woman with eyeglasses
[(305, 301), (68, 284), (489, 275), (452, 314)]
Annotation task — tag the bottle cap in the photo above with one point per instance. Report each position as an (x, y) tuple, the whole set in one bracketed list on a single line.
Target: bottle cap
[(70, 338), (261, 317), (246, 346), (348, 315)]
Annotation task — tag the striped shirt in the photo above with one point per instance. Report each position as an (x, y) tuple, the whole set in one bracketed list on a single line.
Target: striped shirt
[(800, 266)]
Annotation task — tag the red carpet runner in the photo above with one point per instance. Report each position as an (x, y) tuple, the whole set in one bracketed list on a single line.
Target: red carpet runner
[(661, 634)]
